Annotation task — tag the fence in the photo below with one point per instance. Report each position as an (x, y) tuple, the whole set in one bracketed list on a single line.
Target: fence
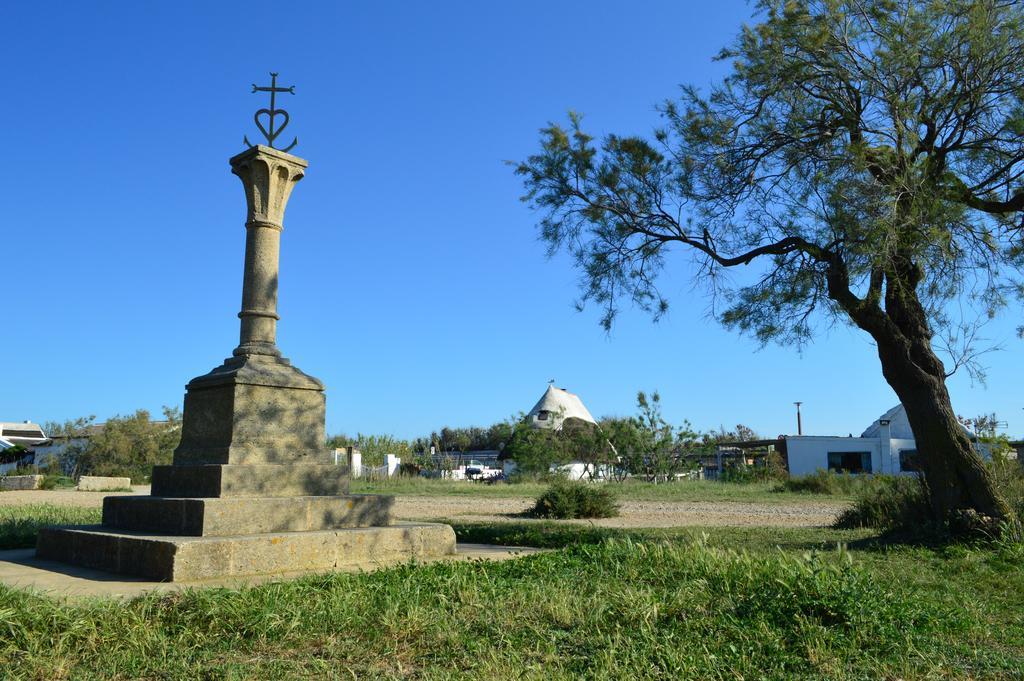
[(373, 472)]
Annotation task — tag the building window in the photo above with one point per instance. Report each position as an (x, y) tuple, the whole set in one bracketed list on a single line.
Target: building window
[(908, 461), (542, 415), (849, 462)]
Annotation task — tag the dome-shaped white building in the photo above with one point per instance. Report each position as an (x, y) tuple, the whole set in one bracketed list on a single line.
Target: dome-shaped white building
[(555, 407)]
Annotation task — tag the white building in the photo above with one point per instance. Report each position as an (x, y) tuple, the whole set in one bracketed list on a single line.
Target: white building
[(556, 408), (27, 435), (886, 447)]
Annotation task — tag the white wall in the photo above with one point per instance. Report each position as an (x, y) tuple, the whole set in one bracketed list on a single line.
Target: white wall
[(577, 470), (808, 453)]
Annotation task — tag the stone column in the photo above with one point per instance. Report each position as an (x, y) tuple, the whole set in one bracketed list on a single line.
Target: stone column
[(268, 176), (256, 408)]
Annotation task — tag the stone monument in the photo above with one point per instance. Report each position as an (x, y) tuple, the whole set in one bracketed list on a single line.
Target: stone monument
[(252, 488)]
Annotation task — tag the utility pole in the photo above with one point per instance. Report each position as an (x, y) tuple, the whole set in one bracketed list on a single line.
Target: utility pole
[(799, 426)]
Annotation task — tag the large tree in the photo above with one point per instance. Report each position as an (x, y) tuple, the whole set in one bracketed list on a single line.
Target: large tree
[(863, 157)]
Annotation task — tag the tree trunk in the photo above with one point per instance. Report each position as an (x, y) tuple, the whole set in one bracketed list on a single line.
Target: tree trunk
[(954, 474)]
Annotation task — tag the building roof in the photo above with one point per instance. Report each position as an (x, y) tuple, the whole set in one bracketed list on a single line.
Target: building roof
[(24, 433), (899, 425), (562, 404)]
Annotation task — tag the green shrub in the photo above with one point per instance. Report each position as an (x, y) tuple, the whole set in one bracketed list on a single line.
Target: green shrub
[(827, 482), (572, 499), (51, 481), (891, 503), (1008, 477), (771, 469), (900, 505)]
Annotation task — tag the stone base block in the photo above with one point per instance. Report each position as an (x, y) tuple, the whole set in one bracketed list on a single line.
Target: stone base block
[(266, 480), (253, 410), (97, 483), (13, 482), (245, 515), (183, 559)]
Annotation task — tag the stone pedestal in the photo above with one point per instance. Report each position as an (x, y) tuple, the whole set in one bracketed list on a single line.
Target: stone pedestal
[(252, 488)]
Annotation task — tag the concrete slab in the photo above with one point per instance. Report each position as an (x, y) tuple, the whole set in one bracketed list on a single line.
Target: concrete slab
[(100, 483), (226, 516), (21, 569), (185, 559)]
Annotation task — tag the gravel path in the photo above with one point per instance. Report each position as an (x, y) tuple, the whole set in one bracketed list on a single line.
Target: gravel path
[(64, 497), (633, 513)]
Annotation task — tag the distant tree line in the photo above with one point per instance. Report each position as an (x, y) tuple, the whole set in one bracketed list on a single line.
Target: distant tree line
[(123, 446), (645, 445)]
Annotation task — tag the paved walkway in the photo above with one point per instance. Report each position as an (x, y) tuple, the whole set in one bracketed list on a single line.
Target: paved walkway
[(21, 569)]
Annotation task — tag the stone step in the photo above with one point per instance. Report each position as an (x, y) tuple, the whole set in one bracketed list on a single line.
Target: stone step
[(205, 517), (250, 480), (187, 559)]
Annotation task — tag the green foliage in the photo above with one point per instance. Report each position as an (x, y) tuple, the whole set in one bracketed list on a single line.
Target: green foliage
[(56, 481), (53, 478), (24, 470), (986, 429), (469, 439), (768, 603), (899, 504), (772, 469), (894, 503), (12, 454), (536, 450), (863, 159), (374, 447), (808, 175), (19, 525), (617, 609), (827, 482), (567, 499), (129, 446), (1008, 476), (74, 434), (647, 443)]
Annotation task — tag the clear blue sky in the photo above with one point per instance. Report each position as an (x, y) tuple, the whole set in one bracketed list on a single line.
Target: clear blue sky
[(412, 282)]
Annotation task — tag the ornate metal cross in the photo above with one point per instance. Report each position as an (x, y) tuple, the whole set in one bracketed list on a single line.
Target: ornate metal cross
[(270, 131)]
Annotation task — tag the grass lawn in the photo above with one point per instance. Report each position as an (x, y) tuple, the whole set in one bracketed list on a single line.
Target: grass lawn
[(20, 524), (718, 603), (684, 490)]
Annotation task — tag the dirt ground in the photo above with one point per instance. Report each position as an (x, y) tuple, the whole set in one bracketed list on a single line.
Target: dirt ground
[(631, 513), (477, 509), (64, 497)]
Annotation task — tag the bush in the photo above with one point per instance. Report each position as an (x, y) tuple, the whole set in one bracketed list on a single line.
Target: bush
[(129, 446), (900, 505), (891, 503), (827, 482), (1008, 476), (771, 470), (52, 481), (408, 469), (567, 499)]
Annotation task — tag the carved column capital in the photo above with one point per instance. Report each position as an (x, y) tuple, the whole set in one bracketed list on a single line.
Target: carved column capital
[(268, 176)]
